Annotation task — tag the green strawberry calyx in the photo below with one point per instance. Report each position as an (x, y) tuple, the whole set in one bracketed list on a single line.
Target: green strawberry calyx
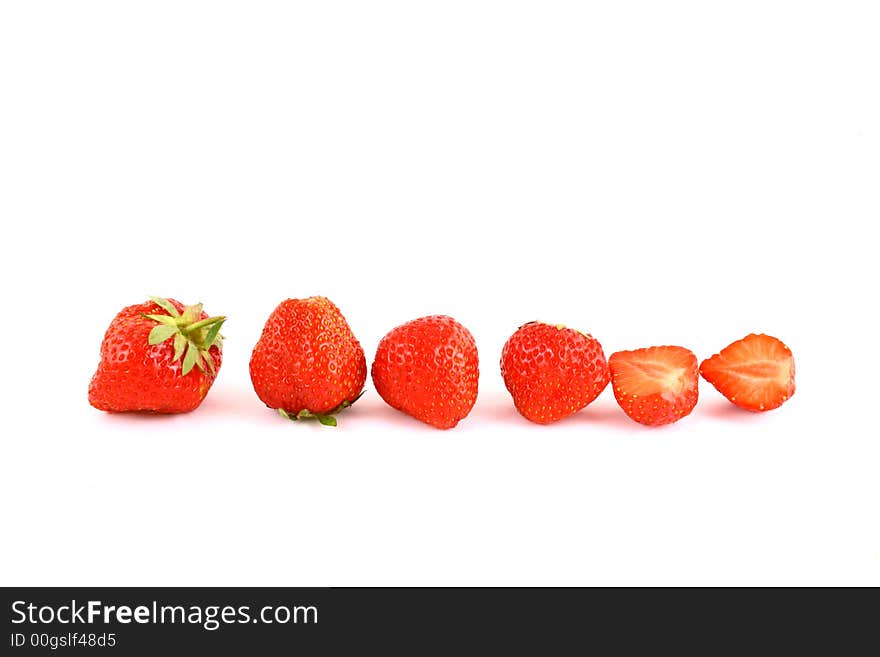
[(327, 419), (193, 337)]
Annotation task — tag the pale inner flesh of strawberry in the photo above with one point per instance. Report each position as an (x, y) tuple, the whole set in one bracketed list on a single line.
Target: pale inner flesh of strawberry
[(762, 371), (761, 381), (648, 377)]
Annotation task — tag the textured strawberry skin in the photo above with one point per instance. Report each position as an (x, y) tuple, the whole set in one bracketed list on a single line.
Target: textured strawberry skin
[(307, 358), (134, 375), (552, 372), (658, 408), (429, 369)]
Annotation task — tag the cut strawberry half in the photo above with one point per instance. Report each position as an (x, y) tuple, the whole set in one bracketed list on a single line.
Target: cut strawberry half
[(656, 385), (755, 373)]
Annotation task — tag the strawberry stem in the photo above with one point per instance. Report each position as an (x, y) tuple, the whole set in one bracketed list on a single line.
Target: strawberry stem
[(192, 337)]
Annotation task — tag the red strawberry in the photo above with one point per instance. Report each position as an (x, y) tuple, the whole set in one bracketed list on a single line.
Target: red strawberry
[(428, 368), (552, 371), (657, 385), (307, 363), (159, 356), (755, 373)]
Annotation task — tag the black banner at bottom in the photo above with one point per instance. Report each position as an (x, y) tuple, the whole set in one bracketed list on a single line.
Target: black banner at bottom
[(150, 621)]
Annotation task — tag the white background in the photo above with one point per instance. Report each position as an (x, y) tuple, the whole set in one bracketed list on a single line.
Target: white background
[(652, 173)]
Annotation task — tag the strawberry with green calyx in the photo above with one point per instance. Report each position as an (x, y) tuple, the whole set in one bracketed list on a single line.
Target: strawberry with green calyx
[(159, 356), (308, 364)]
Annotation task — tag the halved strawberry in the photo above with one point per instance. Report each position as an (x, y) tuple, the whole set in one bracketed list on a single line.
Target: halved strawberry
[(755, 373), (656, 385)]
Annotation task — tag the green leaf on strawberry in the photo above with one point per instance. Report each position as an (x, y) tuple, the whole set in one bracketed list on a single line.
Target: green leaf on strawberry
[(193, 337)]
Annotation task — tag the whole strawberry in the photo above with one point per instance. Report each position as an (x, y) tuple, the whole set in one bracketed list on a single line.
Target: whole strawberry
[(655, 385), (158, 356), (307, 363), (552, 371), (429, 369)]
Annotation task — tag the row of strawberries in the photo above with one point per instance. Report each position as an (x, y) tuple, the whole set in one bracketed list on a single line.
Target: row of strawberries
[(162, 357)]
